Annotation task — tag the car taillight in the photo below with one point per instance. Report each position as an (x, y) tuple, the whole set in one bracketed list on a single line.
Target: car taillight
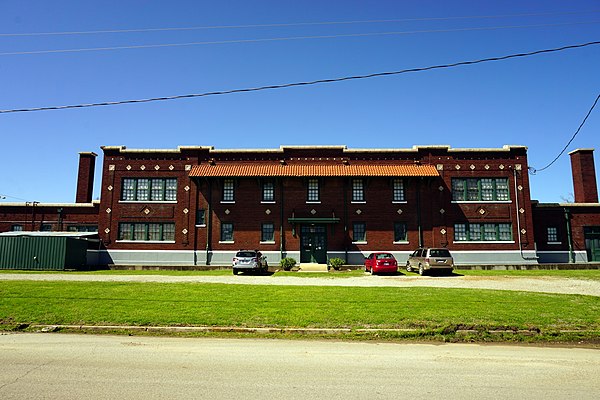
[(427, 260)]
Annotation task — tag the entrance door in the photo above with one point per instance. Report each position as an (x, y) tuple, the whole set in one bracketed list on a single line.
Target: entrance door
[(313, 244), (592, 242)]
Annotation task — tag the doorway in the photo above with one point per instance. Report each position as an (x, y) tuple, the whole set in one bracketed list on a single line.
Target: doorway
[(313, 244), (592, 242)]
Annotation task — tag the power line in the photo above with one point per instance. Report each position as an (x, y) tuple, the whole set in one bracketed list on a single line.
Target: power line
[(296, 84), (535, 171), (148, 46), (277, 25)]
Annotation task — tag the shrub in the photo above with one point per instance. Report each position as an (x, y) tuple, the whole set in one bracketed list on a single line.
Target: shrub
[(336, 263), (287, 263)]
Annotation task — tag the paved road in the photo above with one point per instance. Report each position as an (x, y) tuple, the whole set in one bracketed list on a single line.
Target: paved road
[(59, 366), (531, 284)]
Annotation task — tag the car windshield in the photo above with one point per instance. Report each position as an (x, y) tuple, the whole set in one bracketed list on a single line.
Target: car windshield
[(439, 253), (385, 256), (245, 254)]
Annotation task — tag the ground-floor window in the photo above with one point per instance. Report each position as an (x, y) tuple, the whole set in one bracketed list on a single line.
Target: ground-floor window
[(16, 228), (82, 228), (267, 232), (226, 232), (146, 232), (400, 232), (552, 233), (359, 232), (483, 232)]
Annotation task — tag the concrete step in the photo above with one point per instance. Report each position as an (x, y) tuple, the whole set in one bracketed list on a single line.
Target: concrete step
[(312, 267)]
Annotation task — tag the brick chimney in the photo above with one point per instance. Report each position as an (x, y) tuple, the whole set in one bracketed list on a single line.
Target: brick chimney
[(584, 176), (85, 177)]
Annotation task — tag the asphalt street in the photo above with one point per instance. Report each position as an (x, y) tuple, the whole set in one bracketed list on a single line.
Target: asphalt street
[(51, 366)]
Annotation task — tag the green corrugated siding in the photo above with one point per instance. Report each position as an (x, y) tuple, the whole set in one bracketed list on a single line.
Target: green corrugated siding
[(34, 253)]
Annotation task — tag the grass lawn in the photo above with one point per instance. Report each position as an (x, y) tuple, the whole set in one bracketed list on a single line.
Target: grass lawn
[(433, 312)]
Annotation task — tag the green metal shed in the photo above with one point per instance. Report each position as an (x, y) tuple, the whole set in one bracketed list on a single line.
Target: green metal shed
[(45, 251)]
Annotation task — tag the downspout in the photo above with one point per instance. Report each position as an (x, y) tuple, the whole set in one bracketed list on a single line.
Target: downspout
[(209, 221), (346, 220), (569, 235), (197, 184), (419, 227), (281, 217), (519, 218)]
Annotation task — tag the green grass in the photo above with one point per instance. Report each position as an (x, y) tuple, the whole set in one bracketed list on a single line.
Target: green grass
[(430, 310)]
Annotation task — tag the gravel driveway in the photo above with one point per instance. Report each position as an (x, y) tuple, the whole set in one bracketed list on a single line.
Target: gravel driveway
[(528, 284)]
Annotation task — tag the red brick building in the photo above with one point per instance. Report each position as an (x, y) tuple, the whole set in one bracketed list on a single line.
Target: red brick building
[(199, 205)]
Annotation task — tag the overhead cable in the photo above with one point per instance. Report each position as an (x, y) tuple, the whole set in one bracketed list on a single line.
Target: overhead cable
[(308, 83)]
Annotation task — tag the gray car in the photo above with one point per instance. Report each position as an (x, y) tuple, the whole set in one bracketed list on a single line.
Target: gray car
[(426, 259), (249, 260)]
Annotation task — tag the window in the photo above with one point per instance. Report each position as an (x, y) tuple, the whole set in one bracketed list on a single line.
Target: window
[(358, 190), (82, 228), (267, 232), (228, 190), (46, 228), (480, 189), (144, 189), (200, 217), (147, 232), (398, 190), (359, 232), (483, 232), (226, 232), (268, 191), (16, 228), (552, 232), (400, 232), (313, 190)]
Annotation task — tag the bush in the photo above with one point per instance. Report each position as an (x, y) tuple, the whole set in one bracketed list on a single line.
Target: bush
[(336, 263), (287, 263)]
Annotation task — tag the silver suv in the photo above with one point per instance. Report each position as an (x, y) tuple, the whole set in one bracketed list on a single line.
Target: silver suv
[(249, 260), (425, 259)]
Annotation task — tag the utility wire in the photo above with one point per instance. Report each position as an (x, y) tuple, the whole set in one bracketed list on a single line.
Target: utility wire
[(277, 25), (535, 171), (296, 84), (279, 39)]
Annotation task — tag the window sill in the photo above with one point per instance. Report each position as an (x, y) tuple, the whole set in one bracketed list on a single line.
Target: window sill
[(402, 242), (360, 242), (227, 202), (399, 201), (268, 202), (554, 243), (484, 241), (226, 242), (358, 202), (313, 202), (267, 242), (146, 241), (481, 201), (201, 226), (148, 201)]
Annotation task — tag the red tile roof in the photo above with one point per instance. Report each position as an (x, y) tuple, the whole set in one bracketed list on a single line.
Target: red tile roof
[(265, 169)]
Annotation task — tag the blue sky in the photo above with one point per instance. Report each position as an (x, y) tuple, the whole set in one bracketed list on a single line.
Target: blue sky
[(536, 101)]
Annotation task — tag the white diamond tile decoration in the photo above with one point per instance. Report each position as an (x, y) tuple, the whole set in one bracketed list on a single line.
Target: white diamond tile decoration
[(358, 212), (501, 166), (442, 211), (185, 211), (440, 167), (518, 167), (106, 230), (188, 167), (146, 211), (108, 210), (399, 211), (142, 167), (486, 166), (472, 166), (441, 188), (187, 188), (184, 231), (520, 187), (111, 167), (128, 167), (267, 211), (110, 188), (313, 211), (227, 211), (457, 167), (443, 231), (481, 211), (523, 231), (157, 167), (171, 167), (521, 210)]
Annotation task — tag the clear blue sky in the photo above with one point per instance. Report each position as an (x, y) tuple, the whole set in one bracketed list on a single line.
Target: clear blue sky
[(537, 101)]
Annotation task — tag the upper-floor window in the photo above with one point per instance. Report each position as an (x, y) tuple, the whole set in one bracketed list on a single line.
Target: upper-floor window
[(149, 189), (313, 190), (358, 190), (228, 190), (268, 191), (483, 232), (359, 232), (398, 190), (480, 189), (147, 232), (552, 233)]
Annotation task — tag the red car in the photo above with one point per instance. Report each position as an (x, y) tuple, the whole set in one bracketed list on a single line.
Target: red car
[(381, 262)]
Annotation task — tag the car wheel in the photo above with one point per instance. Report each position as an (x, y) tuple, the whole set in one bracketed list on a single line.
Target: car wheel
[(408, 267), (421, 270), (235, 271)]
